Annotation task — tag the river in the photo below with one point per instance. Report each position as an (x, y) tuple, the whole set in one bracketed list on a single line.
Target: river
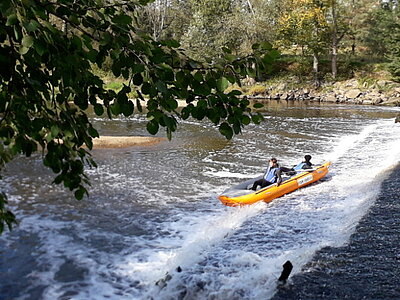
[(153, 227)]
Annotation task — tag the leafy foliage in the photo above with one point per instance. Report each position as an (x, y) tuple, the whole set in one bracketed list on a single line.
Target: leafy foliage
[(383, 35), (47, 49), (304, 23)]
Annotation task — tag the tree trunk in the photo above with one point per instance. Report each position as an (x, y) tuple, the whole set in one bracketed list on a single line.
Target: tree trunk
[(316, 70), (250, 7), (334, 57), (334, 41)]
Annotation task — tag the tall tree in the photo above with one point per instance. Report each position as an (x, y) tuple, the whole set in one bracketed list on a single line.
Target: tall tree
[(339, 21), (47, 82), (303, 23)]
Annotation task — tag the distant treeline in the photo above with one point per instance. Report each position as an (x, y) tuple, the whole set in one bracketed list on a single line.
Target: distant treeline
[(328, 36)]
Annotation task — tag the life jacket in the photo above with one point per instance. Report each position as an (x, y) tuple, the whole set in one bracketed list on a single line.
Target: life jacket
[(299, 166), (270, 174), (302, 165)]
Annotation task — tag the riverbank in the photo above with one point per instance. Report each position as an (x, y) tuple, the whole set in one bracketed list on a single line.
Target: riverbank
[(353, 91)]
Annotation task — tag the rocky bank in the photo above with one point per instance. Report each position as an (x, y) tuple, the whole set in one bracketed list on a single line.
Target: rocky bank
[(381, 92)]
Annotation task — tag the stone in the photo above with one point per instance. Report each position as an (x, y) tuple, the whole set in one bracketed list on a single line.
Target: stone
[(281, 87), (368, 102), (373, 94), (353, 94), (287, 269), (351, 83), (382, 82), (331, 98), (395, 101)]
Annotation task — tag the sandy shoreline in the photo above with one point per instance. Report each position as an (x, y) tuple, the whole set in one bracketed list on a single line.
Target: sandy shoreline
[(125, 141)]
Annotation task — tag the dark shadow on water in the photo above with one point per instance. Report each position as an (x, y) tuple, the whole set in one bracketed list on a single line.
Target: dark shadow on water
[(366, 268)]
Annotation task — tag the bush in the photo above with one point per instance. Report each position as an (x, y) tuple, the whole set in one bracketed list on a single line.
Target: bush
[(394, 68)]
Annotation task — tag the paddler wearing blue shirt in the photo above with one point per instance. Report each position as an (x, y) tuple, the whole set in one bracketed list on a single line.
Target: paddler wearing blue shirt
[(272, 175)]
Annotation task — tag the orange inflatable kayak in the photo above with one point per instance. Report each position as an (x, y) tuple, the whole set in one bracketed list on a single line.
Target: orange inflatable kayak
[(241, 195)]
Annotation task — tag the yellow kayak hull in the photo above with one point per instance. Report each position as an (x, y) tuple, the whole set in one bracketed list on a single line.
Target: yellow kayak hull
[(271, 192)]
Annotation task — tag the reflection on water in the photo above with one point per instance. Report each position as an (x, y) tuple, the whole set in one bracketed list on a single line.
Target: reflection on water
[(154, 208)]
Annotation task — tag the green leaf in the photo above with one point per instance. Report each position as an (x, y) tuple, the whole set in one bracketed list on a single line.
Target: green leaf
[(55, 131), (258, 105), (161, 86), (152, 127), (171, 43), (23, 50), (222, 84), (138, 68), (40, 47), (93, 132), (230, 57), (122, 19), (226, 130), (198, 76), (246, 120), (146, 87), (98, 109), (265, 45), (27, 41), (79, 193), (31, 26), (12, 20), (137, 79), (226, 50), (257, 118), (127, 108)]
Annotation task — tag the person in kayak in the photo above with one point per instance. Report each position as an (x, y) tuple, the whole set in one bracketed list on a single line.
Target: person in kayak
[(306, 164), (272, 175)]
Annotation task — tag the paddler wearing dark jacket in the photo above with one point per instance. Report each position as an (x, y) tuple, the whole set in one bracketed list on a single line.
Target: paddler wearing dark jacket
[(272, 175), (306, 164)]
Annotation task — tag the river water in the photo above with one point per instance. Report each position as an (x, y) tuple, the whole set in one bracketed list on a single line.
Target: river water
[(153, 227)]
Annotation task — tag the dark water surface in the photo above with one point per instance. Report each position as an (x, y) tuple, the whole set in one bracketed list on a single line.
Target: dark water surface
[(153, 215), (368, 267)]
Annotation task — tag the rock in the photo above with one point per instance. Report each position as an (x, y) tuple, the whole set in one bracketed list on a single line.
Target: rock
[(395, 101), (276, 97), (368, 102), (312, 95), (397, 120), (281, 87), (330, 98), (397, 90), (337, 84), (353, 94), (373, 94), (351, 83), (287, 269), (381, 83)]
